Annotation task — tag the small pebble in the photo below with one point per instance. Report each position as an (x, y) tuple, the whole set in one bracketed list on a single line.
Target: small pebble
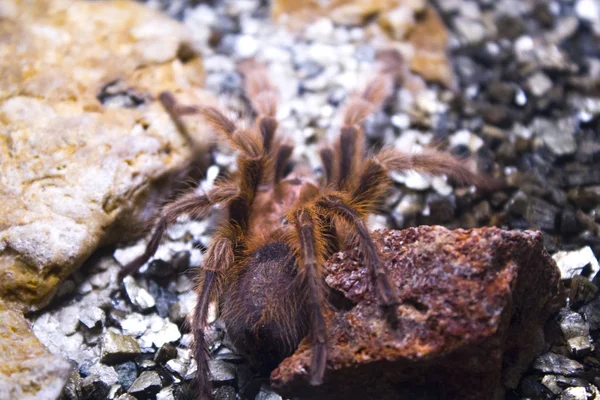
[(165, 353), (138, 295), (177, 367), (221, 371), (574, 393), (166, 393), (266, 393), (591, 313), (91, 316), (127, 373), (557, 364), (147, 384), (577, 262), (539, 84), (118, 348)]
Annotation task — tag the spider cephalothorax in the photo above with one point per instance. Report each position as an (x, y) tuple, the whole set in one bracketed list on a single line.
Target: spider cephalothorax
[(265, 264)]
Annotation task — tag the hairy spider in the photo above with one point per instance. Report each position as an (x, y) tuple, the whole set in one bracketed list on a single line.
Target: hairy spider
[(265, 264)]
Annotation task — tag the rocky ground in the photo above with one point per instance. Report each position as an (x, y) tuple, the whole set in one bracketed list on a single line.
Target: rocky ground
[(525, 104)]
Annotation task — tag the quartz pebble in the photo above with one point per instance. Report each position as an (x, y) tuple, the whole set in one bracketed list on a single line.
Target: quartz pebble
[(91, 316), (138, 295)]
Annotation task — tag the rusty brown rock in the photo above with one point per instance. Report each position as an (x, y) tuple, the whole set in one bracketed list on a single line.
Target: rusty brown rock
[(473, 307)]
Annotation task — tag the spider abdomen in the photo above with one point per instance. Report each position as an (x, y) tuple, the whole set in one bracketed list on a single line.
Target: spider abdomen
[(263, 309)]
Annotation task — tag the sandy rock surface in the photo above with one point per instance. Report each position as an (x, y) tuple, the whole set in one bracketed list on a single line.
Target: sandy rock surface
[(84, 145), (27, 369), (473, 304), (86, 153)]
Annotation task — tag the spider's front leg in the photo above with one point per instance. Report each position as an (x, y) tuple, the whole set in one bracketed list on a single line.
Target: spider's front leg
[(219, 258), (193, 204), (309, 246), (346, 211)]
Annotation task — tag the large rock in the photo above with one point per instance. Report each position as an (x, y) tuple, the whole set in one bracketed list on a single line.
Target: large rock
[(86, 150), (413, 27), (27, 369), (85, 147), (473, 308)]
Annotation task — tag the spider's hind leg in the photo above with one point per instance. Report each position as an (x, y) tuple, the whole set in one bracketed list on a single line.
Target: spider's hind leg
[(309, 247)]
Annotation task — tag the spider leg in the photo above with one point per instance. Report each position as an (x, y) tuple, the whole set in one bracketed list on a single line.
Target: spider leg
[(372, 182), (435, 163), (327, 160), (338, 208), (248, 142), (281, 158), (175, 112), (350, 144), (219, 258), (192, 203), (263, 97), (258, 87), (309, 245)]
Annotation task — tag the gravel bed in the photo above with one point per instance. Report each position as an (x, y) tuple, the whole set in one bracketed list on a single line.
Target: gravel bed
[(527, 104)]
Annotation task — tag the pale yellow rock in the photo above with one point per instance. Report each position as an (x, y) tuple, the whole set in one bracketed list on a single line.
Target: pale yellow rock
[(430, 41), (74, 172), (86, 152), (399, 21), (27, 369)]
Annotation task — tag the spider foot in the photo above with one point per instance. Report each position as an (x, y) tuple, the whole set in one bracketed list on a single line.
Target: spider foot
[(388, 299), (386, 292), (319, 361)]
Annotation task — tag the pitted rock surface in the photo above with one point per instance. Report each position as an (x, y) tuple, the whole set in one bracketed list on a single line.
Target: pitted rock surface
[(85, 147), (471, 301)]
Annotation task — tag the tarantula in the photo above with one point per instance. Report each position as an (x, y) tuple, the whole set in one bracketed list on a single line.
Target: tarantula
[(265, 264)]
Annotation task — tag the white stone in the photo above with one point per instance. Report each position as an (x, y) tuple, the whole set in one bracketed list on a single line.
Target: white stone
[(574, 393), (169, 333), (572, 263), (137, 294), (134, 324), (524, 45), (246, 46), (466, 138), (539, 84), (320, 30), (588, 10)]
